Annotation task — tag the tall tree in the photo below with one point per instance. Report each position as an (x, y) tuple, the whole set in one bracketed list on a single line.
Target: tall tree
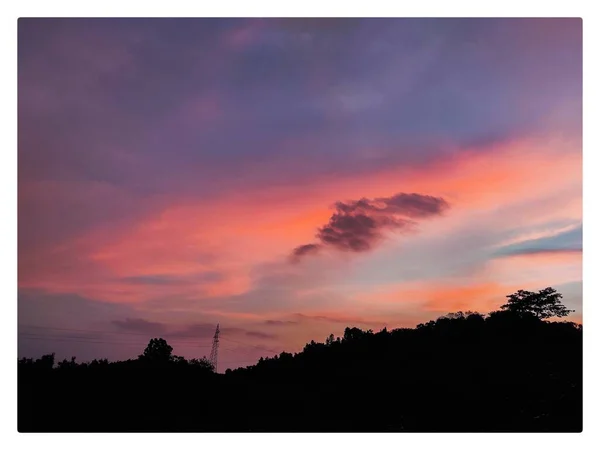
[(157, 351), (543, 304)]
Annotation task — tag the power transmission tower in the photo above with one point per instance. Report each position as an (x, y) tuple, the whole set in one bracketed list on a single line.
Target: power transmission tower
[(215, 349)]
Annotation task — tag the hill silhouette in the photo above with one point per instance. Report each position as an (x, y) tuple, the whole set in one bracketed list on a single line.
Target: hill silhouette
[(509, 370)]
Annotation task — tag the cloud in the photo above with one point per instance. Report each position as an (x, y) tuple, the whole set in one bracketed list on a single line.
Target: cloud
[(411, 205), (207, 330), (359, 224), (544, 251), (150, 279), (570, 241), (261, 335), (196, 330), (303, 250), (66, 310), (139, 325), (484, 296), (162, 279), (341, 319), (71, 325), (280, 322)]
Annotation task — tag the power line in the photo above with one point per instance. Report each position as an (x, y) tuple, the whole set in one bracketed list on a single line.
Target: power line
[(92, 340), (241, 361), (146, 335), (41, 337), (85, 338), (110, 332), (174, 338), (28, 335), (250, 345)]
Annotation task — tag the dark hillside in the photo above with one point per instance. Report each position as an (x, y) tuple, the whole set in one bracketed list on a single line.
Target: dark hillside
[(508, 371)]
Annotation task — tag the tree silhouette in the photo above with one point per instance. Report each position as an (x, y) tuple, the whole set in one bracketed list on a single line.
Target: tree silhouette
[(505, 371), (353, 334), (329, 340), (542, 304), (203, 363), (64, 364), (158, 352), (46, 362)]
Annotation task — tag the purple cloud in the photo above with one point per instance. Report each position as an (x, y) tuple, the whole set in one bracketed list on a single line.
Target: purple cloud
[(359, 224), (261, 335), (280, 322), (139, 325), (343, 320), (304, 250)]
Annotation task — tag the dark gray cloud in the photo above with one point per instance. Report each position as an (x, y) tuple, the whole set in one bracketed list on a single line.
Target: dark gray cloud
[(304, 250), (67, 310), (261, 335), (139, 325), (72, 325), (357, 225), (151, 279), (280, 322), (199, 330), (207, 330), (410, 205), (344, 320), (350, 232), (166, 280)]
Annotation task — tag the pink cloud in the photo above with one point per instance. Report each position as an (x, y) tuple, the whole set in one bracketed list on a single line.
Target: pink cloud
[(235, 233)]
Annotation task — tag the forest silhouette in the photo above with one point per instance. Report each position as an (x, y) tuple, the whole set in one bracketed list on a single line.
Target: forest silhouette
[(510, 370)]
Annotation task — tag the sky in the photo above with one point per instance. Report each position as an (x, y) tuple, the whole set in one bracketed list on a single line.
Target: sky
[(287, 178)]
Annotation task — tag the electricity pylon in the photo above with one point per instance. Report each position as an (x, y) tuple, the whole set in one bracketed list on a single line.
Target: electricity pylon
[(215, 349)]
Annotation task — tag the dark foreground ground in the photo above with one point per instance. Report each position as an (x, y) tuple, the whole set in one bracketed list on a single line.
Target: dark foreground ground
[(458, 374)]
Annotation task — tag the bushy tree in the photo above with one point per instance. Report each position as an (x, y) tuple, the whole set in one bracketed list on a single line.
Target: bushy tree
[(542, 304), (330, 340), (157, 351), (353, 334)]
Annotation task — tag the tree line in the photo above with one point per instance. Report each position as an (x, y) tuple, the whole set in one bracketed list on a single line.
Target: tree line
[(509, 370)]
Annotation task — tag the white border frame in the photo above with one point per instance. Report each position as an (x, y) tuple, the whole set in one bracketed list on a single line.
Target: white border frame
[(306, 8)]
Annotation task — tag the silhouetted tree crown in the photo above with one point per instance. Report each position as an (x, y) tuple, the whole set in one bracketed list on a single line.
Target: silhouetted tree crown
[(542, 304), (46, 362), (157, 351)]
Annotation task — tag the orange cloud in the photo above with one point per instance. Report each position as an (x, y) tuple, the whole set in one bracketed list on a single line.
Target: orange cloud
[(536, 269), (477, 297), (438, 296), (233, 233)]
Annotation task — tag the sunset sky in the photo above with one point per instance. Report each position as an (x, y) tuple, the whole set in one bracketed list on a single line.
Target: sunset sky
[(289, 178)]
